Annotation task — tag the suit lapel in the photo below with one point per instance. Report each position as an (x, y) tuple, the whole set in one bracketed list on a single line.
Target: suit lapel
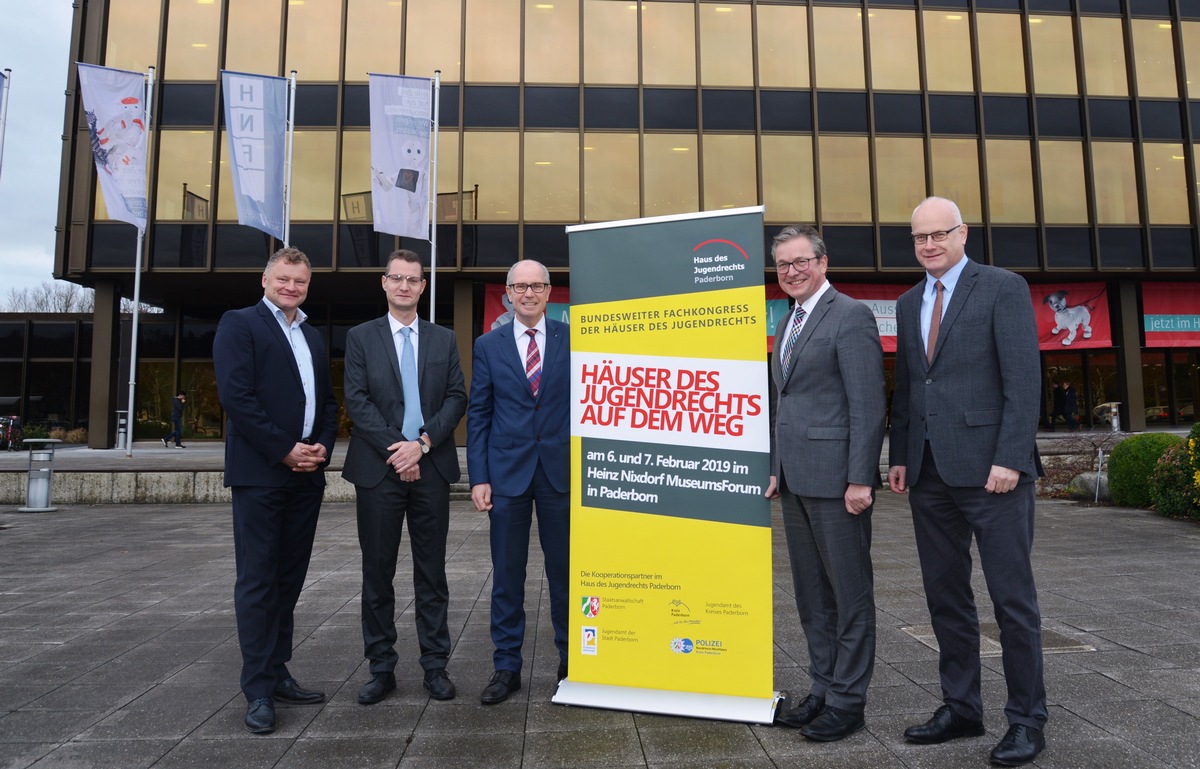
[(276, 331), (966, 282), (810, 325), (388, 344)]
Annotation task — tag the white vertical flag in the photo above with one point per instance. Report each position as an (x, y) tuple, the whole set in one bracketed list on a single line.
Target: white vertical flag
[(256, 119), (115, 107), (400, 130), (5, 79)]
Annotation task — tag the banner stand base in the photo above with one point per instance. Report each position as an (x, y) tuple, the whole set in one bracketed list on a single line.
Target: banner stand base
[(718, 707)]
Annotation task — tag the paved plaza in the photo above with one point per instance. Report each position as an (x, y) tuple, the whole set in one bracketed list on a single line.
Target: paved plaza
[(118, 649)]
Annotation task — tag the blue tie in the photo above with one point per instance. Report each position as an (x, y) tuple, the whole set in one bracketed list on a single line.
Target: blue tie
[(412, 391)]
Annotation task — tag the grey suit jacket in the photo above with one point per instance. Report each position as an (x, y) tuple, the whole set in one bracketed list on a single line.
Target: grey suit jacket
[(978, 401), (375, 398), (828, 413)]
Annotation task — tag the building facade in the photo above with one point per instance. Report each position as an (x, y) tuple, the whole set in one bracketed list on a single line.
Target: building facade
[(1063, 128)]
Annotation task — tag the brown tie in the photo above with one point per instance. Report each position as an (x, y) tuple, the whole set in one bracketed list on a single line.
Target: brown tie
[(935, 322)]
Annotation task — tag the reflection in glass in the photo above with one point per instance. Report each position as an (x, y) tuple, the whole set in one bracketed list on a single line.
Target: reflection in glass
[(551, 42), (431, 39), (1104, 56), (900, 177), (184, 161), (948, 51), (610, 52), (373, 38), (730, 171), (782, 46), (725, 55), (551, 177), (1166, 184), (671, 174), (1154, 58), (1010, 181), (787, 171), (1115, 183), (493, 48), (845, 179), (355, 192), (1062, 172), (894, 50), (1001, 67), (1191, 57), (956, 175), (838, 45), (1052, 43), (192, 30), (128, 46), (668, 44), (314, 39), (490, 160), (313, 159), (252, 37), (610, 176)]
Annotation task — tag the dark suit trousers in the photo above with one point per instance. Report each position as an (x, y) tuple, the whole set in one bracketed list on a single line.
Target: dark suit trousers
[(511, 518), (273, 531), (945, 517), (381, 514), (830, 551)]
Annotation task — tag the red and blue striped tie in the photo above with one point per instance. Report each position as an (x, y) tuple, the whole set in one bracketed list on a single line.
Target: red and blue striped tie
[(533, 362)]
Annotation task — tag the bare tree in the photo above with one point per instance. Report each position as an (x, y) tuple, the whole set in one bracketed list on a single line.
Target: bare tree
[(60, 296)]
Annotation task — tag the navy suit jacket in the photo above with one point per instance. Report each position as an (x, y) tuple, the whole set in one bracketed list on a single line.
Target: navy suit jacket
[(259, 386), (508, 430)]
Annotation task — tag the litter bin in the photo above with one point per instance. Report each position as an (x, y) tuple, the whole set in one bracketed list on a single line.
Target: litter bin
[(41, 475), (122, 429)]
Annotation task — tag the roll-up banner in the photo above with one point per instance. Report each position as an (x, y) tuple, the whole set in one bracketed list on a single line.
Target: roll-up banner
[(1171, 314)]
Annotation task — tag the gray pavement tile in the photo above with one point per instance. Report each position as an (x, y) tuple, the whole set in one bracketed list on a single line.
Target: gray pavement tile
[(1145, 638), (359, 721), (16, 696), (466, 716), (1069, 690), (17, 755), (1191, 706), (498, 750), (44, 726), (1106, 753), (884, 700), (700, 742), (100, 699), (229, 723), (591, 747), (360, 753), (244, 752), (549, 717), (117, 754), (1162, 683)]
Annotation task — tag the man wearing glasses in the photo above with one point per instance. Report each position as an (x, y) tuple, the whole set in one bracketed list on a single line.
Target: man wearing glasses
[(964, 420), (518, 456), (405, 395), (828, 408)]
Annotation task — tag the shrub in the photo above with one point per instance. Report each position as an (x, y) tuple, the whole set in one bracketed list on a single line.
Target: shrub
[(1175, 487), (35, 431), (78, 435), (1131, 465)]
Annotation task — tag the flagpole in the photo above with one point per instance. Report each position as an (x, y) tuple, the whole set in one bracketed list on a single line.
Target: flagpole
[(137, 276), (4, 111), (287, 182), (432, 184)]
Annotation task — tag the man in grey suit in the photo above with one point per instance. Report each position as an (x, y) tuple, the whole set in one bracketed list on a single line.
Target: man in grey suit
[(964, 420), (405, 395), (827, 431)]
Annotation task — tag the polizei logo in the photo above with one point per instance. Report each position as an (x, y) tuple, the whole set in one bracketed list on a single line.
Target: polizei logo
[(682, 645)]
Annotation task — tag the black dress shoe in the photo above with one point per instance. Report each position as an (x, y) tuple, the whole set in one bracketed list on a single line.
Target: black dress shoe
[(503, 683), (260, 716), (798, 714), (288, 692), (945, 725), (377, 688), (562, 670), (439, 684), (1020, 746), (834, 724)]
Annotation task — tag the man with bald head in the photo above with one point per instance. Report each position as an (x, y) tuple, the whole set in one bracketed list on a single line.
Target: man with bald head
[(964, 421)]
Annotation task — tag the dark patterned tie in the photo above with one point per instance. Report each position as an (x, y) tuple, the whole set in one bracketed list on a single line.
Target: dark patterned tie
[(935, 322), (533, 362), (789, 344)]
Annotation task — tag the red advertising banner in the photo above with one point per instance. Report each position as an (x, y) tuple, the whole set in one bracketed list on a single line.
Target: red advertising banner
[(1071, 316), (881, 298), (1171, 314), (497, 310)]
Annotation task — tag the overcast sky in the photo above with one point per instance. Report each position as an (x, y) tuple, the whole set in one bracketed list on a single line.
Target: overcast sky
[(34, 39)]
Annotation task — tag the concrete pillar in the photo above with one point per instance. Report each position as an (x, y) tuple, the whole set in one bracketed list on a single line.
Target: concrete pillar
[(1129, 358), (106, 358), (464, 333)]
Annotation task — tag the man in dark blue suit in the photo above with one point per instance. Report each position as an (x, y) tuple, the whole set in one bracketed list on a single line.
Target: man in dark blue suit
[(518, 456), (273, 380)]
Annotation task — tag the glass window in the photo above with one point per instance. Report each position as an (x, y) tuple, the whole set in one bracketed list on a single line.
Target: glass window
[(252, 37), (671, 182), (948, 51), (1166, 184), (1010, 181), (447, 152), (838, 47), (894, 50), (787, 171), (551, 177), (730, 171), (610, 43), (313, 161), (314, 39), (129, 46), (725, 55), (1191, 57), (192, 30), (845, 179), (184, 163), (956, 175), (668, 44), (551, 42), (899, 113), (783, 46), (356, 177), (373, 38), (490, 160), (1001, 65), (1115, 183), (900, 177), (610, 176), (202, 417), (610, 108), (493, 41), (1064, 195), (1154, 58), (1104, 56), (1052, 41), (432, 39)]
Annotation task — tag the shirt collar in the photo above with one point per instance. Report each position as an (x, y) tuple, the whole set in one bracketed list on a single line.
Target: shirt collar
[(949, 280), (811, 302), (278, 313), (520, 328), (396, 325)]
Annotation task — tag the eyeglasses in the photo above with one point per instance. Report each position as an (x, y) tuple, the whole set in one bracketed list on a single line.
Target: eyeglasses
[(409, 279), (920, 238), (521, 288), (797, 265)]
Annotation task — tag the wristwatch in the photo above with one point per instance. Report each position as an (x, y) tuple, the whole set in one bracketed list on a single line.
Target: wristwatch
[(424, 445)]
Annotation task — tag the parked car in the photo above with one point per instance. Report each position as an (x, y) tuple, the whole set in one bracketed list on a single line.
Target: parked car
[(1158, 414), (1102, 413)]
